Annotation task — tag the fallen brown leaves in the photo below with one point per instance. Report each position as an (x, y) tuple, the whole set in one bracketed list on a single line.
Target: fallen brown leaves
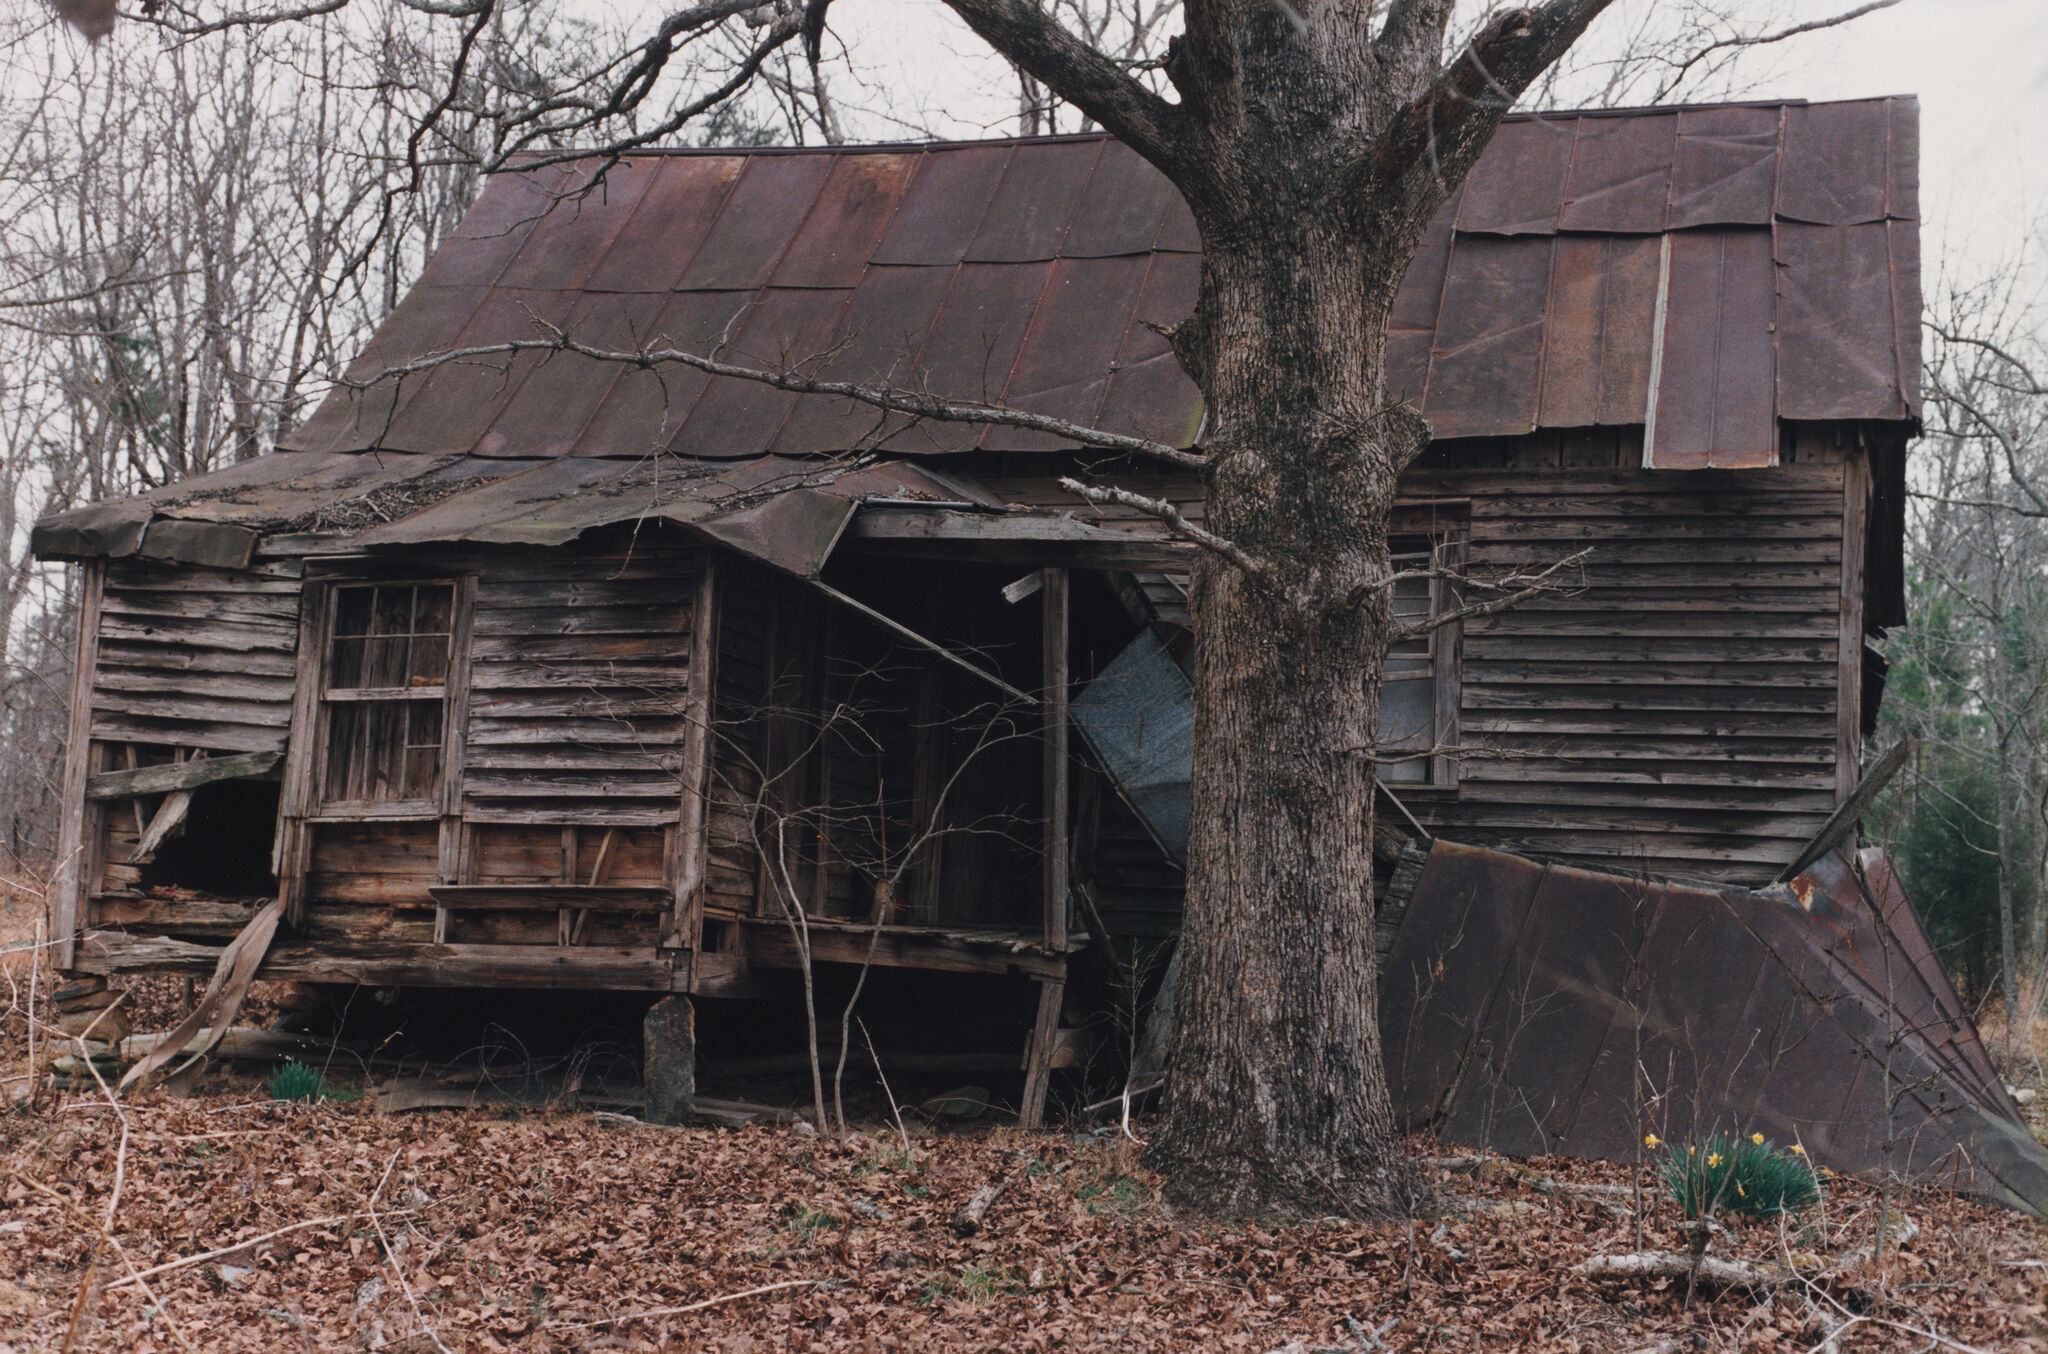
[(559, 1232)]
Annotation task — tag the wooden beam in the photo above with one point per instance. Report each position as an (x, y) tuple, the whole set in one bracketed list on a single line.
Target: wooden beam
[(1054, 597), (1036, 538), (549, 897), (1039, 1055), (691, 847), (1849, 650), (769, 946), (402, 964), (903, 631), (1844, 819), (169, 776), (79, 824)]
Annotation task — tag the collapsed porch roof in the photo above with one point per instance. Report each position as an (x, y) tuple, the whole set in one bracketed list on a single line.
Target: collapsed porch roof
[(785, 512)]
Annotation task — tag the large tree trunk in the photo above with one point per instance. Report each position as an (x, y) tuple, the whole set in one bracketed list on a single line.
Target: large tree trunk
[(1312, 141), (1278, 1098)]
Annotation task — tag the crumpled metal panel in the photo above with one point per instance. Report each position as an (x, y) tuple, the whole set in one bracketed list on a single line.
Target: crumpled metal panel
[(1517, 188), (1724, 170), (943, 208), (1124, 209), (1620, 179), (1138, 718), (1600, 322), (1543, 1009), (114, 528), (1489, 338), (1840, 350), (1840, 163)]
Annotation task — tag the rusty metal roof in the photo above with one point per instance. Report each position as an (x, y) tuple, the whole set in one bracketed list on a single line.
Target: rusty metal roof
[(1542, 1009), (1756, 262), (1704, 272)]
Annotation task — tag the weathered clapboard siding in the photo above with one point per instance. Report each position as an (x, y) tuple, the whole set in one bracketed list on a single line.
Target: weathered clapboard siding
[(578, 683), (1682, 712), (1677, 714), (199, 659)]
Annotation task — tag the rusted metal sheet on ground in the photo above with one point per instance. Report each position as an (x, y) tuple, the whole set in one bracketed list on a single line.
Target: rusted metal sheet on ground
[(951, 268), (1545, 1009)]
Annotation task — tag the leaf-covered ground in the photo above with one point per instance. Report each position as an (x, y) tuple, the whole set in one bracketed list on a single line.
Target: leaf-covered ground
[(481, 1230), (549, 1231)]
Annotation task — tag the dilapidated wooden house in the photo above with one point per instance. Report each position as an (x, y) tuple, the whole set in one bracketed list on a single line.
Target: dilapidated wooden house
[(537, 669)]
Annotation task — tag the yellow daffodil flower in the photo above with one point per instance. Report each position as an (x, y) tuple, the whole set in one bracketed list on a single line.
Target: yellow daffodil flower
[(1713, 1158), (1757, 1138), (1652, 1140), (1796, 1150), (1740, 1190)]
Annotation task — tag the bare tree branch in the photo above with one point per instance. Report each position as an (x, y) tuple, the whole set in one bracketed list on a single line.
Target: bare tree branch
[(1032, 39), (1173, 517), (884, 397)]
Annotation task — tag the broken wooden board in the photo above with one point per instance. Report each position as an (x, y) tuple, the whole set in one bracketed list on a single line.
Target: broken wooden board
[(188, 775)]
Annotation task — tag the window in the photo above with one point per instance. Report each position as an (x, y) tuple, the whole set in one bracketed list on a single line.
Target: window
[(1418, 696), (384, 695)]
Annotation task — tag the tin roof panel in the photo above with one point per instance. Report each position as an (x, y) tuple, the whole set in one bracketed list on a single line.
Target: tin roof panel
[(759, 218)]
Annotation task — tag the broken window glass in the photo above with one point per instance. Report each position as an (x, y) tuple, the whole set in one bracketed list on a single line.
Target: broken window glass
[(385, 693)]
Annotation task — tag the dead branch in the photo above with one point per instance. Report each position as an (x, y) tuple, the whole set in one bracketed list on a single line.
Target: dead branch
[(968, 1220), (188, 1261), (1679, 1265), (391, 1259), (690, 1307), (1515, 589), (888, 398), (1173, 517)]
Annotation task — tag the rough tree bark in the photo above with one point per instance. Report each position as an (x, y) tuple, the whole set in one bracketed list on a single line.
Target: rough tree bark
[(1313, 141)]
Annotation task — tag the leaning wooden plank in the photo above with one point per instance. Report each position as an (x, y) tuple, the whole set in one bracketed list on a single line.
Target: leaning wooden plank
[(232, 974), (1845, 818), (170, 776), (79, 824)]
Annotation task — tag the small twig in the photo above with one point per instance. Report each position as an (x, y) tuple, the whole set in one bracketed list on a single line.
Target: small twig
[(133, 1276), (887, 1094), (691, 1307), (398, 1270), (218, 1252), (1531, 585)]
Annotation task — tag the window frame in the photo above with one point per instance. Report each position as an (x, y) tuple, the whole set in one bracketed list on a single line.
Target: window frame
[(1446, 526), (323, 698)]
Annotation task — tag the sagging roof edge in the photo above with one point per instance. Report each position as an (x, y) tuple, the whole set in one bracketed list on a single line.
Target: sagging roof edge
[(791, 515)]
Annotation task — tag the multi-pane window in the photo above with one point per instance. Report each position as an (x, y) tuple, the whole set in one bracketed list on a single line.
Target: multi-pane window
[(385, 691), (1408, 727)]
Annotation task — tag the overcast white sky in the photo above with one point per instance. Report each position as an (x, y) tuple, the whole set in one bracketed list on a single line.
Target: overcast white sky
[(1980, 68)]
